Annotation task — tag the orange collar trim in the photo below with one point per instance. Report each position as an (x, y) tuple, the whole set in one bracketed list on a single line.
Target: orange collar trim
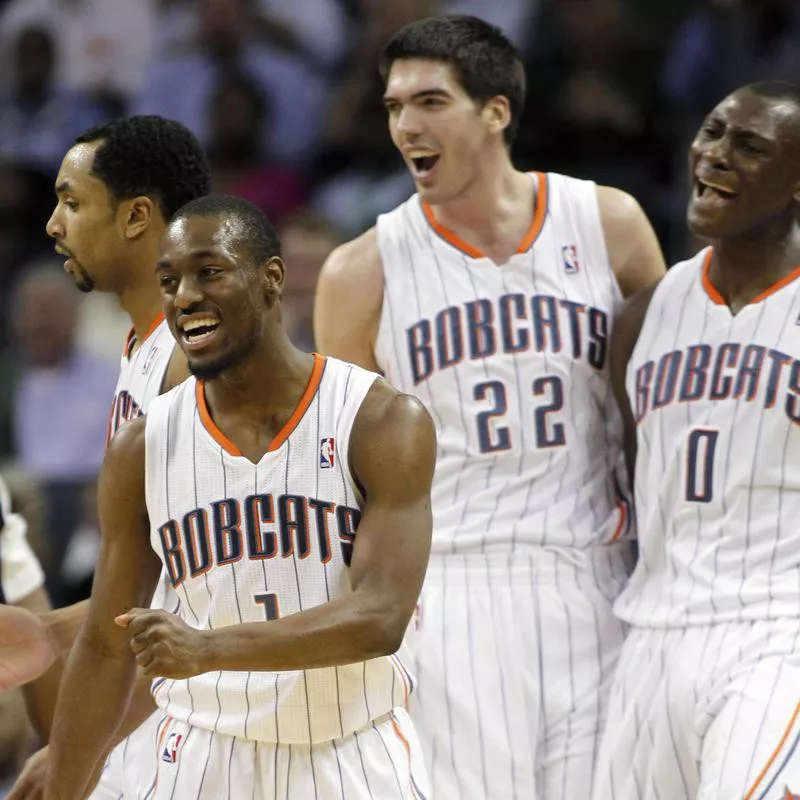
[(284, 433), (539, 215), (715, 296)]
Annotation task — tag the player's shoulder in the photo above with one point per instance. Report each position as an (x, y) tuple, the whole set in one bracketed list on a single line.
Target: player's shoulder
[(354, 259), (127, 445), (384, 406)]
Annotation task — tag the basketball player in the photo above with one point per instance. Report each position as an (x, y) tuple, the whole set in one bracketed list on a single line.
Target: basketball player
[(117, 188), (706, 699), (288, 497), (490, 294)]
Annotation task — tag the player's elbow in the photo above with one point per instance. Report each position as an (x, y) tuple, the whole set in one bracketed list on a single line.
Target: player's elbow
[(387, 628)]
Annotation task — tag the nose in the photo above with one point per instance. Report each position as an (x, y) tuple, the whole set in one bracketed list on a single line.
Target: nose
[(408, 123), (54, 227), (187, 294), (717, 152)]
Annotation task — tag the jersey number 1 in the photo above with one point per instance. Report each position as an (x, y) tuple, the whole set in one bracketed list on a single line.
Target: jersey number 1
[(700, 451)]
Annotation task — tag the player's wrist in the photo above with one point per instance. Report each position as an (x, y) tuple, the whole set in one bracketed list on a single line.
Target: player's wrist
[(207, 652)]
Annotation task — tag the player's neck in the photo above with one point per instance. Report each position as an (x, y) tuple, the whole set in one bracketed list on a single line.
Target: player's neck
[(142, 303), (272, 378), (494, 212), (744, 267)]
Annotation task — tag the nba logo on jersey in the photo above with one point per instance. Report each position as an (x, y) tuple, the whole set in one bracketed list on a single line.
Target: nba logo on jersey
[(170, 752), (148, 362), (326, 456), (569, 255)]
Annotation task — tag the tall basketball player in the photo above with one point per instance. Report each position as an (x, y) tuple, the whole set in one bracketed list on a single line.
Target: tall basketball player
[(490, 295), (706, 700), (288, 498), (117, 188)]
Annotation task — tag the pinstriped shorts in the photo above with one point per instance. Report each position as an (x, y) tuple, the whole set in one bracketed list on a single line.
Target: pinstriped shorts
[(709, 712)]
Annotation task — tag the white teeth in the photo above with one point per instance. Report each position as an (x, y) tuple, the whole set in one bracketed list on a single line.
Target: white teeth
[(194, 324)]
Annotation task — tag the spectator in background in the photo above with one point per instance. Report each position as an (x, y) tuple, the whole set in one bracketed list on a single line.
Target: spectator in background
[(239, 117), (60, 400), (595, 110), (104, 45), (181, 82), (38, 117), (365, 175), (306, 241)]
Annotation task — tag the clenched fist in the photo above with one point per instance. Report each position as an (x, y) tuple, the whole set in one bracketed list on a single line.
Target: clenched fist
[(164, 645)]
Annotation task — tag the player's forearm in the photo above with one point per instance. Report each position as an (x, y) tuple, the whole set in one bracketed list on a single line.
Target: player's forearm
[(94, 695), (344, 631)]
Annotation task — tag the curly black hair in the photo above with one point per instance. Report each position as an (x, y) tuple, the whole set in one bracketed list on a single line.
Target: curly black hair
[(151, 156)]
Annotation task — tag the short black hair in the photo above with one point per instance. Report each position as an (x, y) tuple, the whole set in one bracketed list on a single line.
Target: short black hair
[(776, 90), (258, 233), (482, 57), (152, 156)]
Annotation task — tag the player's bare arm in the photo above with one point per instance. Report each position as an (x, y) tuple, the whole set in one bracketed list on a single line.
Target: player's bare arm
[(627, 326), (392, 453), (349, 296), (89, 712), (633, 248)]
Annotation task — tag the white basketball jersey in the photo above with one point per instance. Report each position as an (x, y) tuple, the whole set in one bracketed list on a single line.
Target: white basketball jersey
[(717, 402), (141, 375), (245, 542), (512, 363)]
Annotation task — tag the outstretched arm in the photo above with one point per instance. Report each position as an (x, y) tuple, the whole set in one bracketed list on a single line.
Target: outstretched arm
[(90, 709), (392, 451)]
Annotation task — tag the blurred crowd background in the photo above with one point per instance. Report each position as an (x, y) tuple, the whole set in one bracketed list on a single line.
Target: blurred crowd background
[(286, 97)]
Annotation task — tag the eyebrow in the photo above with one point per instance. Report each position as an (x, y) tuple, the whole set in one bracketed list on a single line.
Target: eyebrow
[(62, 187), (387, 98), (197, 254)]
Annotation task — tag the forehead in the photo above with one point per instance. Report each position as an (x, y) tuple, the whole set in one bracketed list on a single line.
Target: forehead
[(769, 117), (202, 233), (410, 76), (76, 167)]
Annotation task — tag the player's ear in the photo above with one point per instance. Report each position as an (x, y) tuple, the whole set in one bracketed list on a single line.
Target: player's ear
[(497, 113), (273, 273), (138, 213)]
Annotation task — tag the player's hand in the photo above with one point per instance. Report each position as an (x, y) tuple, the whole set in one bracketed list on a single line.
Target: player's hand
[(26, 647), (30, 783), (164, 645)]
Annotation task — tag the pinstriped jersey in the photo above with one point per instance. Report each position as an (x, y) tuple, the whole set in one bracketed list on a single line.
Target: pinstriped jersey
[(511, 361), (141, 374), (717, 402), (245, 542)]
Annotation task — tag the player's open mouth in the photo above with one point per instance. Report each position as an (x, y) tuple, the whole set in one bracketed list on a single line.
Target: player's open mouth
[(424, 164), (710, 191), (198, 330)]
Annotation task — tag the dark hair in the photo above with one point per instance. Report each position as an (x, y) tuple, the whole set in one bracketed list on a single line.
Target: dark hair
[(151, 156), (257, 231), (483, 59), (776, 90)]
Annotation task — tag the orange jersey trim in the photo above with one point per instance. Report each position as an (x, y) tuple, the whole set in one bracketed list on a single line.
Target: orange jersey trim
[(719, 300), (284, 433), (774, 755), (539, 214), (302, 406), (131, 340)]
